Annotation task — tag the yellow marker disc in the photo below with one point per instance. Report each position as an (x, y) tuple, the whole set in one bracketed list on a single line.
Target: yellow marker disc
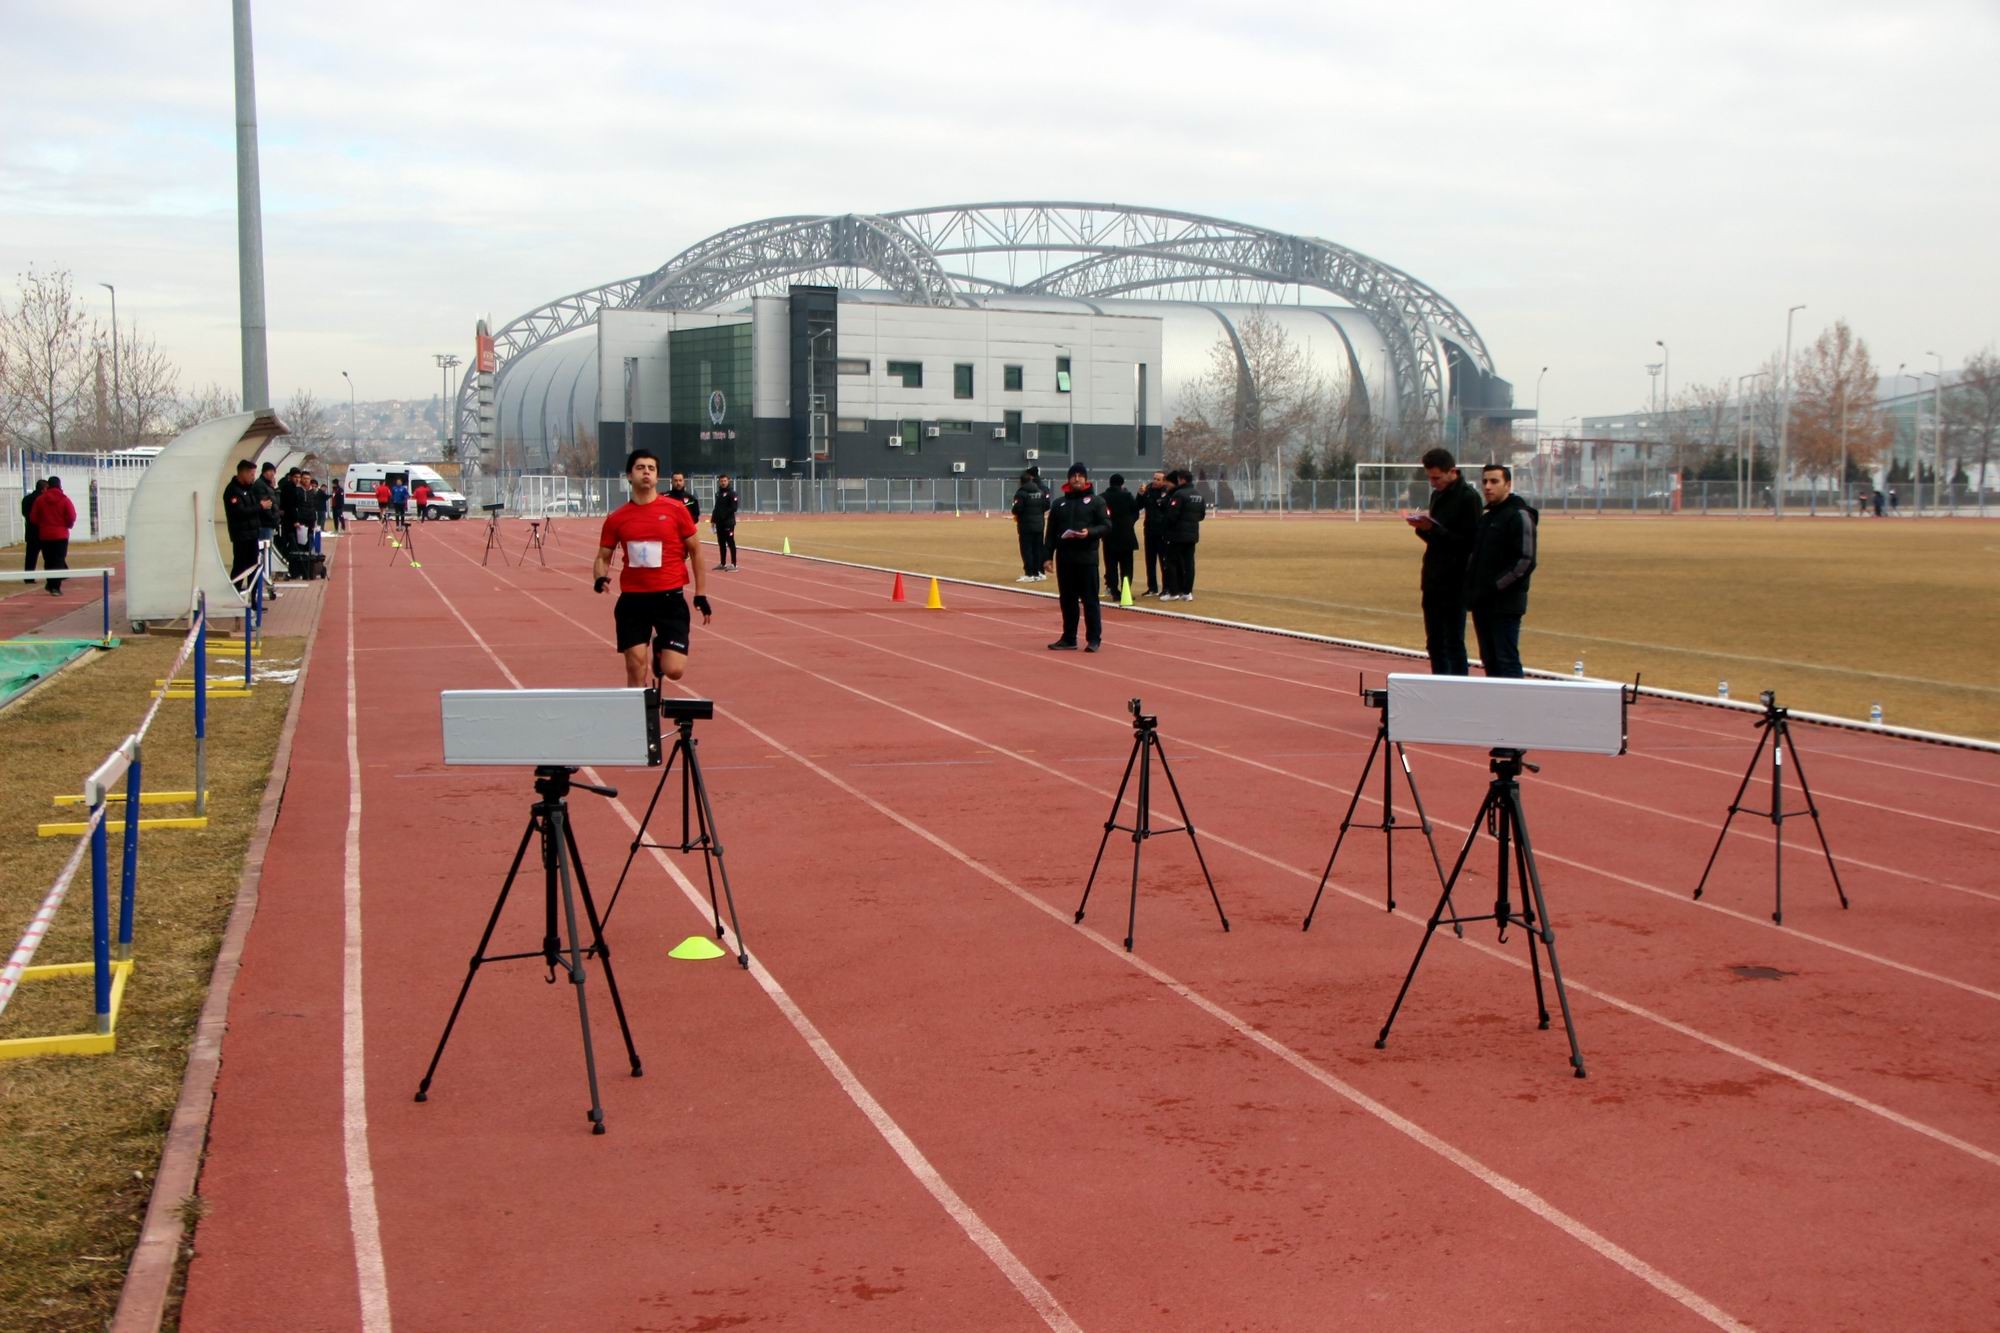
[(697, 946)]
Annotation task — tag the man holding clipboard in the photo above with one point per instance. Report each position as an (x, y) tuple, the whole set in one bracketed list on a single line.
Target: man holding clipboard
[(1446, 531)]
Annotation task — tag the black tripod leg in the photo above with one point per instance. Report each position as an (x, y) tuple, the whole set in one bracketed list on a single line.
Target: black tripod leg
[(1430, 927), (557, 864), (1735, 804), (1110, 822), (1778, 741), (1188, 824), (1424, 819), (1142, 829), (1345, 820), (712, 859), (1388, 837), (600, 946), (1812, 809), (478, 956), (639, 834), (1529, 924), (1548, 932)]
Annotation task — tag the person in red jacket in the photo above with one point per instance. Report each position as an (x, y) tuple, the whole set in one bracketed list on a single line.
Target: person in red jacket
[(52, 517), (421, 494), (382, 501)]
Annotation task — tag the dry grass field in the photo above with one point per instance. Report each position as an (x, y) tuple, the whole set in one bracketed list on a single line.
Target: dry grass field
[(1833, 614)]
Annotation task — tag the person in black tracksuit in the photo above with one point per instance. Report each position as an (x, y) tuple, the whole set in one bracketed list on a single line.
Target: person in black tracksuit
[(723, 519), (1446, 532), (240, 505), (679, 491), (1123, 506), (1150, 518), (1031, 510), (1183, 510), (1496, 579), (1078, 521), (34, 538)]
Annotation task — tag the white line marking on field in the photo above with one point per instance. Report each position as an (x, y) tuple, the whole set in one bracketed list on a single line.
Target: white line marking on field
[(371, 1275), (1038, 1297)]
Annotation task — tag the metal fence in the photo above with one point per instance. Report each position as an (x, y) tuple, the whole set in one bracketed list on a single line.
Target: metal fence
[(540, 495), (100, 485)]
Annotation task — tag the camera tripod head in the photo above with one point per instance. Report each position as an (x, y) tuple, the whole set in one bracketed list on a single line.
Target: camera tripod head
[(553, 781), (1141, 721), (1773, 711), (1509, 763)]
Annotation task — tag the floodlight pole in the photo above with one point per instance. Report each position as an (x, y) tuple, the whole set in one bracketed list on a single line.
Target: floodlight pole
[(445, 360), (1667, 405), (1784, 417), (350, 416), (1743, 474), (249, 219), (1937, 432), (117, 397)]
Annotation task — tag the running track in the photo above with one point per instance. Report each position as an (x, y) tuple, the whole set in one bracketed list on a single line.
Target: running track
[(936, 1103)]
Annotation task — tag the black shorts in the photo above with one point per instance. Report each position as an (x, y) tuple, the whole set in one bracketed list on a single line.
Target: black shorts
[(660, 618)]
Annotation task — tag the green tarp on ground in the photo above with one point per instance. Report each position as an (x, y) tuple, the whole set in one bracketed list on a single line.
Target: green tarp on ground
[(25, 661)]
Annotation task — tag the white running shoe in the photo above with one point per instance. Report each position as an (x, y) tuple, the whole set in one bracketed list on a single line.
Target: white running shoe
[(1027, 578)]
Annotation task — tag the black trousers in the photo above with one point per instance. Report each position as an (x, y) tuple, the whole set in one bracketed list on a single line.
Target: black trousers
[(1152, 563), (55, 555), (725, 543), (34, 548), (242, 555), (1444, 631), (1031, 550), (1117, 566), (1177, 568), (1499, 642), (1076, 584)]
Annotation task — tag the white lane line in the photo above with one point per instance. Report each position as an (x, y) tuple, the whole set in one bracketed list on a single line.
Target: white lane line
[(975, 1227), (371, 1275)]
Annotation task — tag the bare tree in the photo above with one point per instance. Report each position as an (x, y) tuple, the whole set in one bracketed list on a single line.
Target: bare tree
[(148, 385), (47, 370), (1834, 416), (1259, 398), (204, 404), (310, 424), (1972, 413)]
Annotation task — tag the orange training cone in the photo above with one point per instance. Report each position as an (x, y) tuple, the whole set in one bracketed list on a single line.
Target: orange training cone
[(896, 593), (934, 602)]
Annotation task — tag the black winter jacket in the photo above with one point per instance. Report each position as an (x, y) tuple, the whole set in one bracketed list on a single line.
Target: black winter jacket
[(693, 505), (1503, 558), (1448, 542), (1031, 505), (1076, 510), (724, 513), (239, 502), (1184, 508), (1123, 507)]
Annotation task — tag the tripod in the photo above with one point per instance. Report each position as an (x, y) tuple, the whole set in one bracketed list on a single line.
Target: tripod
[(1501, 813), (1775, 727), (549, 819), (697, 818), (1379, 700), (405, 545), (493, 540), (534, 543), (1145, 740)]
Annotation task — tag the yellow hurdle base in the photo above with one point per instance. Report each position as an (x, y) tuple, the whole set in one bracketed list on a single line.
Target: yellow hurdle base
[(72, 830), (213, 693), (145, 798), (75, 1043)]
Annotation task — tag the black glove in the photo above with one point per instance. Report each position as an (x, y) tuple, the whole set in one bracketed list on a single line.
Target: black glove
[(601, 584), (701, 605)]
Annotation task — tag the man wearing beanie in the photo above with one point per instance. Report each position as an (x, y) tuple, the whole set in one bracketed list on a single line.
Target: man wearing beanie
[(1078, 521)]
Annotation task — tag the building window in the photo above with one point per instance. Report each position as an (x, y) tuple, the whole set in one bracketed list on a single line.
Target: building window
[(852, 365), (954, 428), (1053, 435), (913, 436), (1062, 374), (1013, 420), (911, 373), (961, 381), (1013, 379), (852, 425)]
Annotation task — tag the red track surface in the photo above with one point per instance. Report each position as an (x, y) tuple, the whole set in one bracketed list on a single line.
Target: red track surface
[(1200, 1137)]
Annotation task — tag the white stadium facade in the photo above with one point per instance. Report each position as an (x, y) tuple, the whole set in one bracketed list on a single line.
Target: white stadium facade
[(969, 339)]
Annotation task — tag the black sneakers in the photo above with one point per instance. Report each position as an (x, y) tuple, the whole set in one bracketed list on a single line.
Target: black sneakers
[(1065, 644)]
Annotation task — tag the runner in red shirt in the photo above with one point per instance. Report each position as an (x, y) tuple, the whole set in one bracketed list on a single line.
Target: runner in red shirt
[(661, 548)]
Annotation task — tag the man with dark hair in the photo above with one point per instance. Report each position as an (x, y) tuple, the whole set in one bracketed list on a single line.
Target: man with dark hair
[(1078, 521), (339, 506), (723, 519), (1123, 507), (1185, 509), (1496, 579), (241, 508), (662, 546), (27, 509), (1031, 509), (680, 492), (1447, 532), (1152, 521), (52, 518)]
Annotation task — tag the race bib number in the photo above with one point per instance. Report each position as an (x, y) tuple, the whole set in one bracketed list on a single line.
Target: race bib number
[(644, 555)]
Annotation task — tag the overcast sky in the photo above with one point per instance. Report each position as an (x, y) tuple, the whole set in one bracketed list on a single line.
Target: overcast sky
[(1579, 179)]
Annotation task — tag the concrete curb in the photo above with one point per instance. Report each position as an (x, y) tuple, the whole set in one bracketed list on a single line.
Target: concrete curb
[(149, 1277)]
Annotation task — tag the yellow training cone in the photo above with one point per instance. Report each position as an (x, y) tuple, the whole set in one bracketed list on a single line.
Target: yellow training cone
[(934, 602), (1125, 593), (415, 565), (788, 546), (697, 946)]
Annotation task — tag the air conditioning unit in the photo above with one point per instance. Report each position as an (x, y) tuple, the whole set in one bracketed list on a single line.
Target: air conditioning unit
[(999, 432), (958, 467), (932, 432), (780, 464), (1031, 454), (894, 441)]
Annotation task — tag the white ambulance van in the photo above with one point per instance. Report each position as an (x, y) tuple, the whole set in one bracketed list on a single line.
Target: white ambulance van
[(362, 478)]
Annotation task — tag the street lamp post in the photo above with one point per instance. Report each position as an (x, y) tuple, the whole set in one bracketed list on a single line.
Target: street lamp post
[(1538, 428), (1653, 368), (1743, 473), (1937, 433), (350, 416), (1667, 411), (445, 360), (117, 397), (1784, 416)]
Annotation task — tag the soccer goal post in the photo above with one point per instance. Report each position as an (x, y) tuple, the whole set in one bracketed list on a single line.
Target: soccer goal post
[(1386, 488)]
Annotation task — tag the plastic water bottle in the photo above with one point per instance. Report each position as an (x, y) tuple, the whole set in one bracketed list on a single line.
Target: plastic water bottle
[(1722, 689), (1875, 714), (1579, 667)]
